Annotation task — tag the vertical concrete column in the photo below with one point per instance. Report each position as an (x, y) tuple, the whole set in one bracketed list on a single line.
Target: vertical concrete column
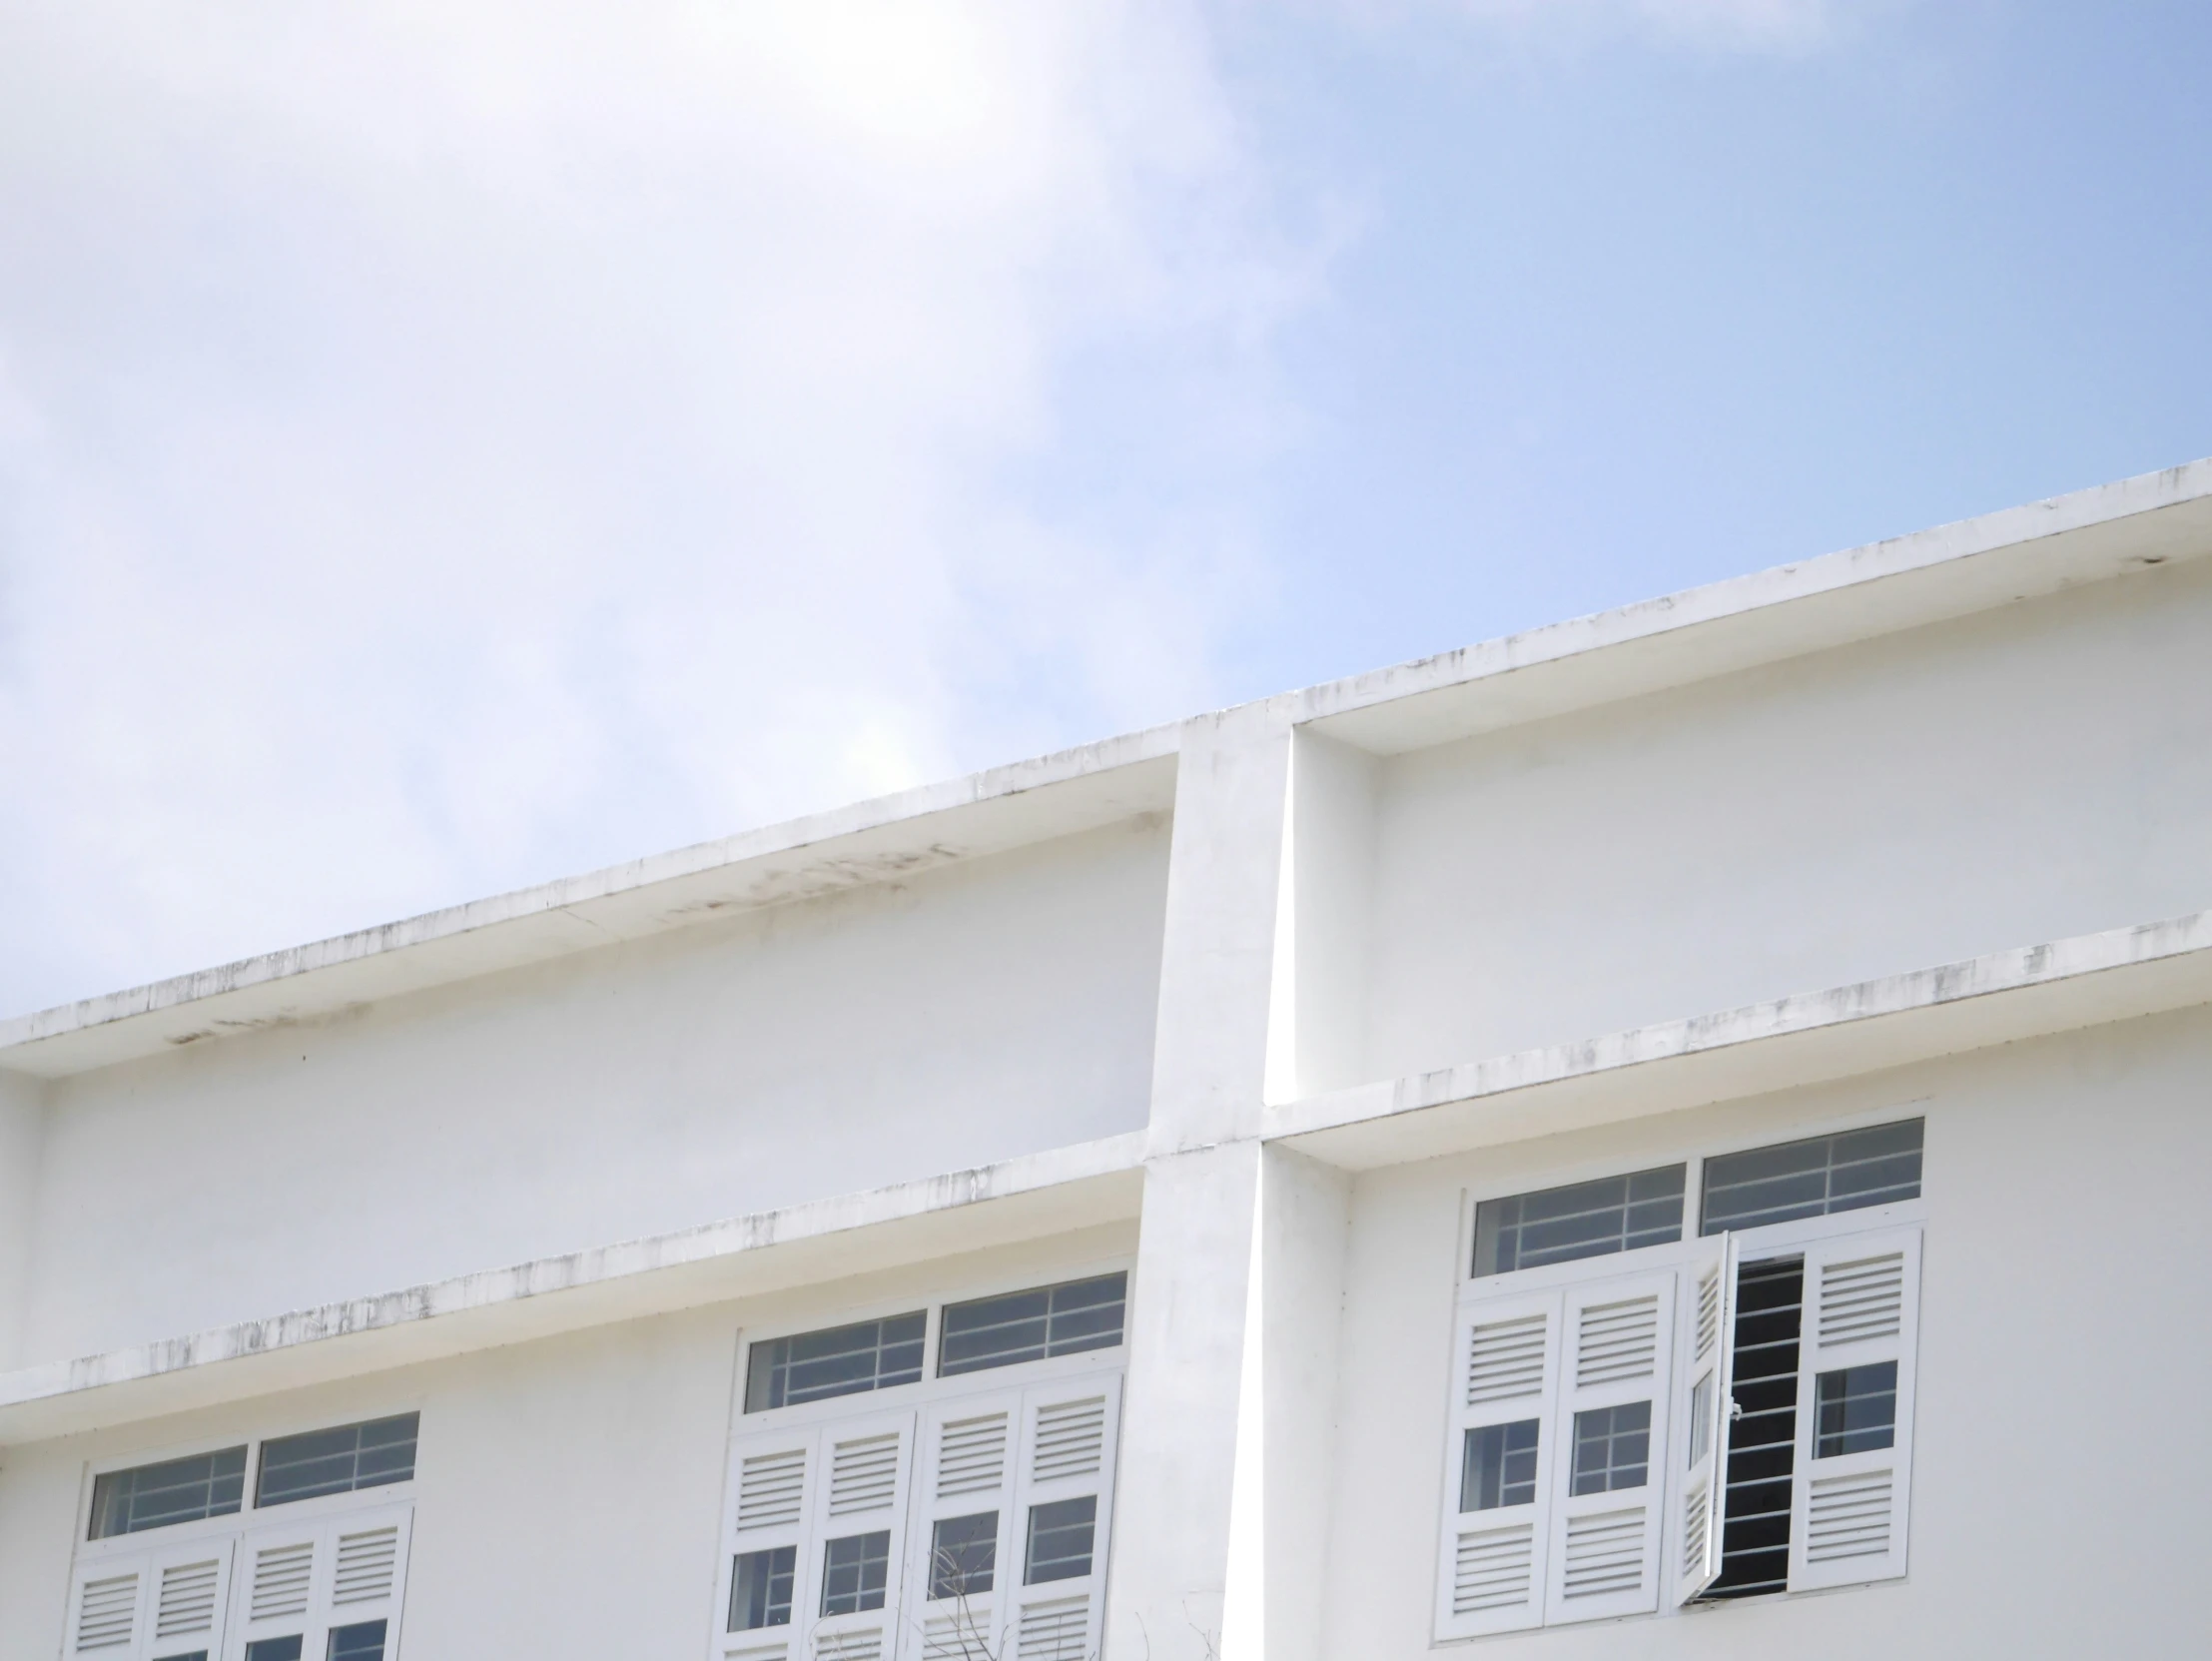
[(22, 1134), (1192, 1305)]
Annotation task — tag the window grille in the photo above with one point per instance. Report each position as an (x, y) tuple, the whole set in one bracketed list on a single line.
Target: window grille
[(173, 1492), (1814, 1178), (1066, 1320), (1581, 1220), (339, 1462), (839, 1361), (1761, 1439)]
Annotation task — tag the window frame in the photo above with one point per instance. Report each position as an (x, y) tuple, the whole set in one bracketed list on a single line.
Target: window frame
[(243, 1520), (1753, 1245)]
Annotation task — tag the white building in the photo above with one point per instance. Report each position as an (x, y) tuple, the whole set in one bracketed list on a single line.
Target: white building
[(1286, 1184)]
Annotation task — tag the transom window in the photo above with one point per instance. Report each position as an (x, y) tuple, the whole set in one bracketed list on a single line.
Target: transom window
[(1581, 1220), (839, 1361), (340, 1461), (172, 1491), (1066, 1319), (1814, 1178)]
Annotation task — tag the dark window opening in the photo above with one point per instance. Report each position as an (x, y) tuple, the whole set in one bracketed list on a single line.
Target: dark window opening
[(1061, 1538), (363, 1641), (855, 1571), (1762, 1437), (1613, 1448), (1857, 1409), (963, 1555)]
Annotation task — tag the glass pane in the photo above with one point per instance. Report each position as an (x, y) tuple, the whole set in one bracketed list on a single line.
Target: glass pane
[(1583, 1219), (1066, 1320), (337, 1461), (1060, 1539), (364, 1641), (1814, 1178), (855, 1571), (1858, 1411), (1613, 1448), (1701, 1420), (838, 1360), (1498, 1466), (963, 1555), (176, 1490), (760, 1588), (273, 1649)]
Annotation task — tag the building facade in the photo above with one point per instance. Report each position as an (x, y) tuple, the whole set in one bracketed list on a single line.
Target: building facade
[(1681, 1134)]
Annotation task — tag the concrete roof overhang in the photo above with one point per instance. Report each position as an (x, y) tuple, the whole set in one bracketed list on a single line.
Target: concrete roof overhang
[(2088, 536)]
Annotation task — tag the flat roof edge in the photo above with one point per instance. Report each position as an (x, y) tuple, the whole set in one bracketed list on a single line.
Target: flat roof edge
[(1809, 1038), (54, 1398)]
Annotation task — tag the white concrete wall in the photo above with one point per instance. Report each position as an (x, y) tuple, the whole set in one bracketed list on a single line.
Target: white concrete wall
[(2059, 1442), (991, 1009), (22, 1139), (568, 1492), (2027, 774)]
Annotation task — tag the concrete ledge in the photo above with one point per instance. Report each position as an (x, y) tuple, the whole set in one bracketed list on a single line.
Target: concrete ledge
[(873, 842), (962, 1211), (1857, 595), (1808, 1038)]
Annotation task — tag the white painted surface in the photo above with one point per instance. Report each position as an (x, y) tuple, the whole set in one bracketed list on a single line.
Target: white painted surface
[(2063, 1187), (998, 1031), (2025, 775), (994, 1009)]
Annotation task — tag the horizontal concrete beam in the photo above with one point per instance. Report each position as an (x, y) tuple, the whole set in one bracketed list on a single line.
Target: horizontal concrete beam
[(1809, 1039), (964, 1210), (1882, 588), (873, 842)]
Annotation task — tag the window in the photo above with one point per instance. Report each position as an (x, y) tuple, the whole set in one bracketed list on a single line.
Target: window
[(968, 1514), (1651, 1418), (760, 1588), (1498, 1466), (1059, 1539), (173, 1492), (855, 1571), (182, 1563), (1583, 1219), (1613, 1448), (963, 1555), (371, 1456), (1814, 1178), (841, 1360), (1066, 1320)]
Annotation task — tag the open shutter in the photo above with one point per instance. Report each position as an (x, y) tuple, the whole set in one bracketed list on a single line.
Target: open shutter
[(1703, 1382), (1062, 1521), (1494, 1544), (1848, 1505), (335, 1583), (1610, 1437), (767, 1529), (969, 1453), (851, 1570)]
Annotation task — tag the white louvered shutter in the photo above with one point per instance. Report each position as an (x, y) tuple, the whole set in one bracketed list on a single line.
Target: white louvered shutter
[(969, 1453), (1505, 1370), (1617, 1344), (322, 1575), (770, 1506), (1704, 1378), (1070, 1433), (1862, 1309), (862, 1489), (107, 1608)]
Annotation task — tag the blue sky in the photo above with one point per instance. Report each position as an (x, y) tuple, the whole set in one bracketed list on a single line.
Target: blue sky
[(449, 447)]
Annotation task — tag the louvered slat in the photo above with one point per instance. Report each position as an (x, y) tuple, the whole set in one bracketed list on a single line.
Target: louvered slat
[(1505, 1359), (771, 1488), (1849, 1516), (1862, 1300), (864, 1474), (1615, 1341), (1494, 1568), (1709, 1315), (185, 1603), (1696, 1523), (366, 1564), (107, 1613), (1070, 1438), (1054, 1631), (972, 1456), (1605, 1553), (955, 1638), (281, 1578), (850, 1646), (758, 1652)]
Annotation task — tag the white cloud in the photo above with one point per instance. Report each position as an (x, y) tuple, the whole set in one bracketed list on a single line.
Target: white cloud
[(445, 444)]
